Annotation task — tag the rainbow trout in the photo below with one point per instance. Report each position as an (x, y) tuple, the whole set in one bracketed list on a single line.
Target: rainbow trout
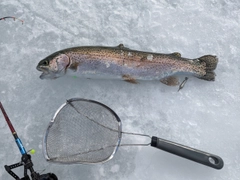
[(123, 63)]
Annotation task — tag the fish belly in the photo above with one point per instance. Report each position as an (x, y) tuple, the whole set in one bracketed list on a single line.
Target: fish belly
[(109, 70)]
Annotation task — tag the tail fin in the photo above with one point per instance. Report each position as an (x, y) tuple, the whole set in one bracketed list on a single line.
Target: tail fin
[(210, 65)]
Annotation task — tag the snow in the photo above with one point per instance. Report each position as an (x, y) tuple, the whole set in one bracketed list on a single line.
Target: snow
[(204, 115)]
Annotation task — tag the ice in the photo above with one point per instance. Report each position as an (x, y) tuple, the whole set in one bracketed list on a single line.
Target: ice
[(204, 115)]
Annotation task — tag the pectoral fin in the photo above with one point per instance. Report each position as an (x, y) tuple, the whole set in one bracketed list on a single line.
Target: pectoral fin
[(74, 66), (129, 79), (170, 81)]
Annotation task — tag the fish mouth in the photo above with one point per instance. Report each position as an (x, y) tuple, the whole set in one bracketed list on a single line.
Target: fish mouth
[(46, 74), (44, 71)]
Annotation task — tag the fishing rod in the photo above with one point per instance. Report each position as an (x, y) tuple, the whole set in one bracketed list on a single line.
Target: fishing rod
[(26, 158)]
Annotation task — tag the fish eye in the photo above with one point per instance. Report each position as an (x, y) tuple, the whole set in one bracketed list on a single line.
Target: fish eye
[(45, 63)]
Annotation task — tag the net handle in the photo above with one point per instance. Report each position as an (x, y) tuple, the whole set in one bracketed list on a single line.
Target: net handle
[(189, 153)]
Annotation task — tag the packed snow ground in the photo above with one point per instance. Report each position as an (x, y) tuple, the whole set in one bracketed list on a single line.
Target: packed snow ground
[(204, 115)]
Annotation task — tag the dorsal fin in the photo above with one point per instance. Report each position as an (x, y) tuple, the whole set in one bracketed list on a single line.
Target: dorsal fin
[(177, 54), (121, 46)]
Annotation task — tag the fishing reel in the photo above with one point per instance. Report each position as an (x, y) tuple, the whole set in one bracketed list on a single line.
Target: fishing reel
[(28, 166), (26, 158)]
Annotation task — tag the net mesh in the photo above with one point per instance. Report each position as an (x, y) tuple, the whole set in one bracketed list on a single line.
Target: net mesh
[(82, 132)]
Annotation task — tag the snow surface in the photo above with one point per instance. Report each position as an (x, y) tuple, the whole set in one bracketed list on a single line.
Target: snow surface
[(204, 115)]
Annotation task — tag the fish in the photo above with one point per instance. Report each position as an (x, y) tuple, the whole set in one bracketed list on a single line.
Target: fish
[(120, 62)]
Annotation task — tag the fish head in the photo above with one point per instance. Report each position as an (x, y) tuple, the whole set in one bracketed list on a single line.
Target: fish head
[(53, 66)]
